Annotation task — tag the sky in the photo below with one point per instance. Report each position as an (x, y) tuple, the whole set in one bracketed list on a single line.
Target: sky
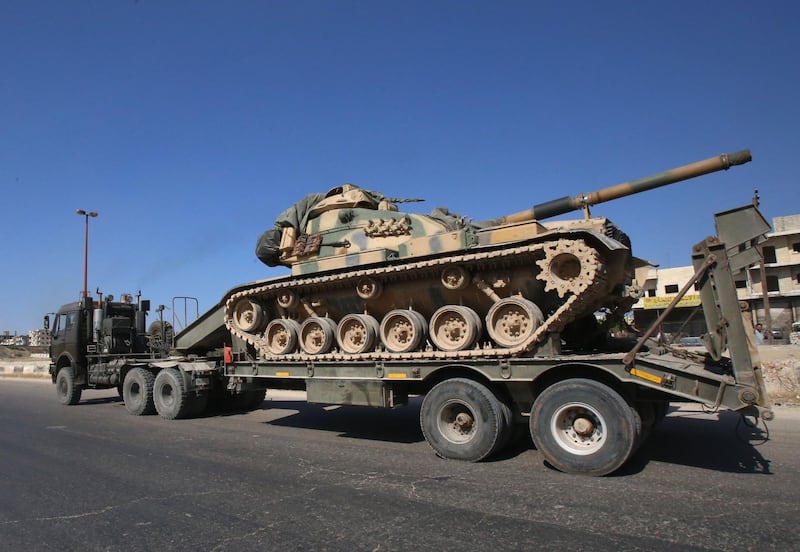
[(190, 125)]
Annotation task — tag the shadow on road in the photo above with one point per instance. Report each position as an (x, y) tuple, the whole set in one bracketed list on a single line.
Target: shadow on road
[(721, 442), (399, 425)]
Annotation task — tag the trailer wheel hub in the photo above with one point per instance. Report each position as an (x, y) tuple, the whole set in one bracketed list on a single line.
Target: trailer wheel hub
[(463, 423), (583, 426)]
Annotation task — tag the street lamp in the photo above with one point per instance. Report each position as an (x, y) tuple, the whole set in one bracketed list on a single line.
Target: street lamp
[(86, 247)]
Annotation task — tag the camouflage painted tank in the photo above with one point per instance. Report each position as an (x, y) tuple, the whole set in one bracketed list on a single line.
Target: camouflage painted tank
[(369, 282)]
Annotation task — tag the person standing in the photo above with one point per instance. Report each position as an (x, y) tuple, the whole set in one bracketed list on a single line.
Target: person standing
[(759, 334)]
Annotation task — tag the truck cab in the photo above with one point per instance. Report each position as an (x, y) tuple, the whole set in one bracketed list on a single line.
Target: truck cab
[(89, 339), (68, 340)]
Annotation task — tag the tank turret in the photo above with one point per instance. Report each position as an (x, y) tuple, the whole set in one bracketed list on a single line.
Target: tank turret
[(370, 282)]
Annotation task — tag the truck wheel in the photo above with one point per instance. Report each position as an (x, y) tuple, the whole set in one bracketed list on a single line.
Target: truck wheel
[(170, 396), (66, 389), (583, 426), (137, 392), (462, 420)]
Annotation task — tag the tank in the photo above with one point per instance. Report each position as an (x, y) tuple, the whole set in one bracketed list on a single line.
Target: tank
[(371, 282)]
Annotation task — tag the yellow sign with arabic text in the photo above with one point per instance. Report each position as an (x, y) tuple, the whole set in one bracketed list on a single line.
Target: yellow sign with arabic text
[(688, 300)]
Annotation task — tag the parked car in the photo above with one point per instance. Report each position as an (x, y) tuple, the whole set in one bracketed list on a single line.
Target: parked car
[(690, 342)]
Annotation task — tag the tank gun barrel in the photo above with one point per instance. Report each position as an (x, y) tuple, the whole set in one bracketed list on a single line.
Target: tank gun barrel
[(563, 205), (405, 199)]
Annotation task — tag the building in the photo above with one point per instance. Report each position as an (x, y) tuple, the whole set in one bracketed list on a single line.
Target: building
[(6, 338), (781, 251), (39, 338)]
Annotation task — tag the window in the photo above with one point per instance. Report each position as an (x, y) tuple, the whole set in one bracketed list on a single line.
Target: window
[(797, 278), (772, 283), (671, 288), (64, 322), (741, 284), (652, 292), (769, 254), (796, 247)]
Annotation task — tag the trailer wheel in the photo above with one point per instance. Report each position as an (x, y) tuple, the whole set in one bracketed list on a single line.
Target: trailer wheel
[(137, 392), (170, 396), (583, 426), (463, 420), (66, 389)]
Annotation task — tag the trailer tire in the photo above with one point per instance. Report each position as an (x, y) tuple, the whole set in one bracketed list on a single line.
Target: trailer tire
[(585, 427), (67, 391), (137, 392), (461, 419), (170, 396)]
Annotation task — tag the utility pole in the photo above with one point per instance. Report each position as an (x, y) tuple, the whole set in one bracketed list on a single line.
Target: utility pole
[(763, 275), (83, 213)]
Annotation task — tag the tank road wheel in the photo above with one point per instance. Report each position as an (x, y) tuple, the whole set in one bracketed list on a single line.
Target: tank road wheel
[(357, 333), (568, 266), (170, 396), (454, 328), (317, 335), (511, 321), (137, 392), (67, 390), (462, 420), (582, 426), (403, 331), (247, 315), (281, 336)]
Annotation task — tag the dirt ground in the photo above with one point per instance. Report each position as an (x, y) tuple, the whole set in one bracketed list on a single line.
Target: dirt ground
[(781, 365), (7, 352)]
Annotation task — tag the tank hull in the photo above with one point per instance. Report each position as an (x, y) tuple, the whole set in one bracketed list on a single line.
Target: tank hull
[(493, 301)]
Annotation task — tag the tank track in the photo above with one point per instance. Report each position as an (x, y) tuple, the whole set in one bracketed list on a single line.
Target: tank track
[(582, 293)]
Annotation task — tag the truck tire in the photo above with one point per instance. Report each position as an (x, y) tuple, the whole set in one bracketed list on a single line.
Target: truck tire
[(137, 392), (170, 396), (585, 427), (463, 420), (66, 390)]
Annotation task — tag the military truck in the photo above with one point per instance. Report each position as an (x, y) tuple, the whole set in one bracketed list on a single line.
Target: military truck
[(100, 343), (494, 324)]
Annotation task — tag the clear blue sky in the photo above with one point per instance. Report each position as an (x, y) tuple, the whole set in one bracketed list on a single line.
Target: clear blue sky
[(190, 125)]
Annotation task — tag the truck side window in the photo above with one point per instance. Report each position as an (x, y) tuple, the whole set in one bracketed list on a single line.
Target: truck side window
[(64, 322)]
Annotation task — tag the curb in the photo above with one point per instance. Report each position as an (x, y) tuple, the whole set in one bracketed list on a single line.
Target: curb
[(27, 369)]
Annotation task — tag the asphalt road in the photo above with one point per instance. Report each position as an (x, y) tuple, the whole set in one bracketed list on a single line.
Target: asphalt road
[(293, 476)]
